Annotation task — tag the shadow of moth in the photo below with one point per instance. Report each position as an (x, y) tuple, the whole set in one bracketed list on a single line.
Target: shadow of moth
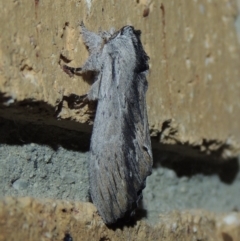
[(120, 151)]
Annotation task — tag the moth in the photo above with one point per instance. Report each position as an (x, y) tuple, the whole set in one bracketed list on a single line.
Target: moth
[(120, 149)]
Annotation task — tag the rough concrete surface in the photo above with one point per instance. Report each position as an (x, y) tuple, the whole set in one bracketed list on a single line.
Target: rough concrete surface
[(193, 97), (62, 220), (40, 161)]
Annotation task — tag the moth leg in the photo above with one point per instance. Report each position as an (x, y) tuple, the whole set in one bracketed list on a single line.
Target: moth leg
[(82, 99), (92, 64), (93, 93), (71, 70)]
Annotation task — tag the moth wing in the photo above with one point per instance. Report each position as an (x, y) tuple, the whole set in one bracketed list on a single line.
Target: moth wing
[(119, 168)]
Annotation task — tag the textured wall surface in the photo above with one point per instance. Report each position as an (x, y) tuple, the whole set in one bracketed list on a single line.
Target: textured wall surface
[(58, 220), (193, 97)]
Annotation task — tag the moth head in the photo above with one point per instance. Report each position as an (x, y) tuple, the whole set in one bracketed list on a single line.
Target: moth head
[(129, 31), (141, 56), (128, 36), (126, 31)]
